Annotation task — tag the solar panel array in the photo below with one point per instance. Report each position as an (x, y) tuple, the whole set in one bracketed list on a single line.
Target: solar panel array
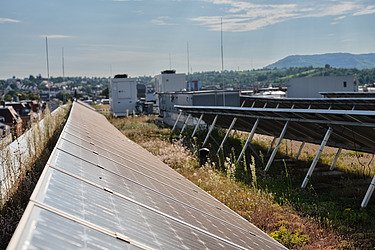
[(101, 190), (310, 103), (352, 129), (348, 94)]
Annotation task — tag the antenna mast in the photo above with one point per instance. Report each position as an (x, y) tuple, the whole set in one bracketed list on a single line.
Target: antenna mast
[(47, 58), (221, 36), (170, 61), (63, 66), (222, 59), (188, 62)]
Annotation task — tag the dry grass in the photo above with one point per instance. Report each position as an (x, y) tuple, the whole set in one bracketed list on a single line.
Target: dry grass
[(348, 161), (40, 145)]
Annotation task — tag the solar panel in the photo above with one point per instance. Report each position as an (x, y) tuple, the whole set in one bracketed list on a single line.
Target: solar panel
[(348, 94), (352, 129), (310, 103), (46, 228), (107, 188)]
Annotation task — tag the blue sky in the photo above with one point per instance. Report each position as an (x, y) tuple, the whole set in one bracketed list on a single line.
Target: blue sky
[(139, 36)]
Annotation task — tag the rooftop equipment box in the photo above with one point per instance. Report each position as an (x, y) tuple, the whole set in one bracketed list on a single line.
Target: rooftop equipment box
[(169, 81), (122, 95)]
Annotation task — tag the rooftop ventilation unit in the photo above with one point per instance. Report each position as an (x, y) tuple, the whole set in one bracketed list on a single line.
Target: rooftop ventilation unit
[(169, 71)]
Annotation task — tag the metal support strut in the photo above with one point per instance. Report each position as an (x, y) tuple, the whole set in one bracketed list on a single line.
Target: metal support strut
[(271, 146), (369, 192), (175, 124), (270, 160), (248, 140), (185, 123), (228, 131), (226, 135), (209, 131), (196, 126), (333, 165), (316, 159), (300, 150)]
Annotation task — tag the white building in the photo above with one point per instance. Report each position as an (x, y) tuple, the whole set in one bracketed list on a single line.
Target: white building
[(169, 81), (122, 95), (309, 87)]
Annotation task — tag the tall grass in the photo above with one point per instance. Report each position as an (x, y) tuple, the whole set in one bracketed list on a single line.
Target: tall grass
[(243, 191), (23, 170)]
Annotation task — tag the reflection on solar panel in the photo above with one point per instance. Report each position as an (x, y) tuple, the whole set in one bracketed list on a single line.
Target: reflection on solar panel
[(343, 129), (101, 190)]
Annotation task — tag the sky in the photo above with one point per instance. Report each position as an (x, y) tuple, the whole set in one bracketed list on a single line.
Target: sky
[(144, 37)]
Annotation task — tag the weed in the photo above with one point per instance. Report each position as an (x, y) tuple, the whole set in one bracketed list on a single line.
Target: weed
[(290, 239), (254, 182)]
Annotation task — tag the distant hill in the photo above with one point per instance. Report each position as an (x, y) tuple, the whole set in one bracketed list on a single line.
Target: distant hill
[(336, 60)]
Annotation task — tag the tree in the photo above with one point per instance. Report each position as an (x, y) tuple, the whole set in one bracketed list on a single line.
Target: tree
[(105, 92), (63, 96)]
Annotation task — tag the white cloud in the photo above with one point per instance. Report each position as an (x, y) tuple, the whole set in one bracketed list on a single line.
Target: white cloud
[(366, 11), (246, 16), (162, 20), (339, 18), (4, 20), (55, 36)]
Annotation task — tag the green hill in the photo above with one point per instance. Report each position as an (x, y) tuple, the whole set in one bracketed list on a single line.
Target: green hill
[(336, 60)]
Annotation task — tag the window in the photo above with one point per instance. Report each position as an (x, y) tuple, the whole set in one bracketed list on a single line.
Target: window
[(344, 83)]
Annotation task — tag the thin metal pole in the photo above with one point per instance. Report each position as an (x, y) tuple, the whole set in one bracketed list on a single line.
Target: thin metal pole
[(226, 135), (222, 58), (47, 58), (270, 160), (185, 123), (333, 165), (248, 140), (272, 143), (175, 124), (300, 150), (209, 131), (252, 105), (369, 192), (63, 66), (317, 156), (188, 59), (228, 131), (196, 126)]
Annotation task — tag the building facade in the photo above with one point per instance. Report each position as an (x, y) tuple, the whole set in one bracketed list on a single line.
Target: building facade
[(310, 87)]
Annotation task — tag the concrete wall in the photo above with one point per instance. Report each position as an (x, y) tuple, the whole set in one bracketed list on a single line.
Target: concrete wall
[(309, 87)]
